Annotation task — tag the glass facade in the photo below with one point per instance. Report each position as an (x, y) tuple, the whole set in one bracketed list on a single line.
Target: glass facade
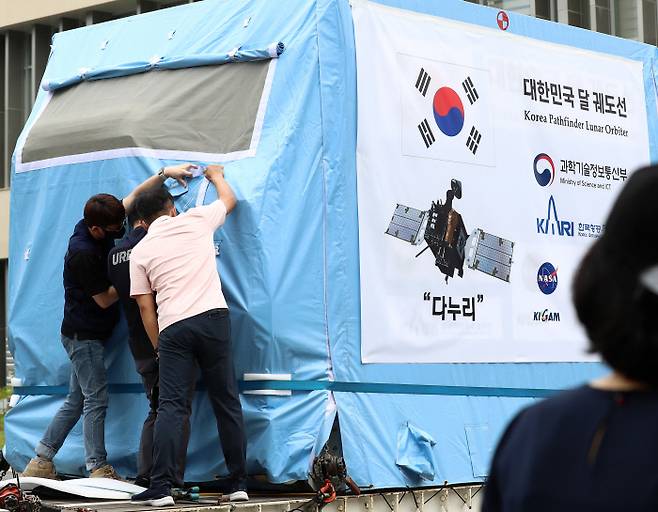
[(630, 19), (578, 13), (520, 6), (24, 52), (649, 23)]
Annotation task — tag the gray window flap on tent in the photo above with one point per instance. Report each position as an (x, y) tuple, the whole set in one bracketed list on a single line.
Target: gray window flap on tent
[(208, 109)]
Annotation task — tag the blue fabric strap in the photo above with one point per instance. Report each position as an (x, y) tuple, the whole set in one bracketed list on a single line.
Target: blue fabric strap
[(238, 54), (339, 387)]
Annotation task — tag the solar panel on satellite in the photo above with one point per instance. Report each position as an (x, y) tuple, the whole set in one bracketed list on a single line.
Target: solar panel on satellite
[(489, 254), (407, 224)]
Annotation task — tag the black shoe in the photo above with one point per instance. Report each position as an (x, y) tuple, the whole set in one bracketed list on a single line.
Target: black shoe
[(141, 481), (154, 497)]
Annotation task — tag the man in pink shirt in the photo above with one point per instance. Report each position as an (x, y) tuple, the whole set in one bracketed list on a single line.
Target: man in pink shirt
[(174, 265)]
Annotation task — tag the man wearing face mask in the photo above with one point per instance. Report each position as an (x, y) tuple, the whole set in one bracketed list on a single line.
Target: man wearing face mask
[(90, 314)]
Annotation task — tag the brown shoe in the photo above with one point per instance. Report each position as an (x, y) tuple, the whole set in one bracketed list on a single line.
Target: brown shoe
[(105, 471), (42, 468)]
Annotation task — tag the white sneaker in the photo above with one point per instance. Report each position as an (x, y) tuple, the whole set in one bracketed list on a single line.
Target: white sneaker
[(154, 498), (238, 496)]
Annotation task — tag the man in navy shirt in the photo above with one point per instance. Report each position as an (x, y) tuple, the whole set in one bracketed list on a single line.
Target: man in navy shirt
[(90, 314), (118, 270)]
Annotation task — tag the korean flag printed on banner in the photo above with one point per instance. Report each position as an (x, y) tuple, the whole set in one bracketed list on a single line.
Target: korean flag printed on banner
[(446, 111)]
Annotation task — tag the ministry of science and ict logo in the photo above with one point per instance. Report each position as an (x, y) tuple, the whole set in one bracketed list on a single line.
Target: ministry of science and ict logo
[(544, 170), (552, 225), (547, 278), (445, 111), (546, 316)]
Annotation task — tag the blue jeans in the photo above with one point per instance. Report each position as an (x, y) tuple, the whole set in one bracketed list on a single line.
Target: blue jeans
[(87, 397)]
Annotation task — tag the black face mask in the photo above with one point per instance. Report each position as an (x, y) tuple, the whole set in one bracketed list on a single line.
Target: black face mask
[(114, 235)]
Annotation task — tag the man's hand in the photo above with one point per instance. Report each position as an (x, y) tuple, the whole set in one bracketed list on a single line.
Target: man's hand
[(107, 298), (213, 172), (180, 172), (177, 172)]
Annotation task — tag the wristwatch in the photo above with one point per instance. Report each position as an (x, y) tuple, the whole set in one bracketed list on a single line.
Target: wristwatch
[(161, 174)]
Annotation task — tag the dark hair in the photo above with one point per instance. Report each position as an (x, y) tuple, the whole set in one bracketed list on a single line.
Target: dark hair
[(152, 204), (132, 216), (104, 210), (616, 309)]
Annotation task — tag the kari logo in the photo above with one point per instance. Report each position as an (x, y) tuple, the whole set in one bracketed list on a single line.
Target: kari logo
[(552, 225), (445, 112), (544, 170), (547, 278)]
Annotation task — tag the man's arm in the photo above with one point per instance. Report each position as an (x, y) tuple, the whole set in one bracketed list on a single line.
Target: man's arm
[(178, 172), (107, 298), (91, 274), (215, 174), (149, 315)]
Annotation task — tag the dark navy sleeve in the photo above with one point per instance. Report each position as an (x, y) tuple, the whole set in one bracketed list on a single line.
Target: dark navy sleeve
[(90, 271)]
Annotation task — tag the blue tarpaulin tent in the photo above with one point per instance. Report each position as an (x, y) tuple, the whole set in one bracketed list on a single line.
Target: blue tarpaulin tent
[(288, 256)]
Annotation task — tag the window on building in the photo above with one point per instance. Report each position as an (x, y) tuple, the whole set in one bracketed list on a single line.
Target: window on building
[(626, 21), (17, 91), (603, 16), (26, 58), (649, 15), (3, 321), (4, 165), (578, 13), (520, 6), (545, 9), (175, 3)]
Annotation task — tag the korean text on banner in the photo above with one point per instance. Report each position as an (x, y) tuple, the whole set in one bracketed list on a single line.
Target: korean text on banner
[(486, 168)]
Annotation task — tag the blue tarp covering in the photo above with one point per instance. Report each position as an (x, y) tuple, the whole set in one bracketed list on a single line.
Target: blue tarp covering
[(289, 259)]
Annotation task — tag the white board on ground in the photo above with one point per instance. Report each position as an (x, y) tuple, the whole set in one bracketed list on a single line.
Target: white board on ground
[(108, 484), (112, 491)]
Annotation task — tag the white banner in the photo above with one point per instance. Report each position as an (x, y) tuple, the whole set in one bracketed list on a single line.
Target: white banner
[(486, 164)]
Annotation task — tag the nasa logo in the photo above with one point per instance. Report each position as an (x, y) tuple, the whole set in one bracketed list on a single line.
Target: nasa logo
[(547, 278), (544, 170)]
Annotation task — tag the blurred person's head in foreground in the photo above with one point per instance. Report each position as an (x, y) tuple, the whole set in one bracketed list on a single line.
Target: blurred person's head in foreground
[(616, 287)]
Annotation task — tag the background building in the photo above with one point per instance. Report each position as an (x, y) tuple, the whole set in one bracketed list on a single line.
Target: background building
[(631, 19), (26, 28)]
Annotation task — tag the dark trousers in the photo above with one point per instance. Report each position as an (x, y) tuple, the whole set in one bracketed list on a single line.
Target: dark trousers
[(204, 339), (149, 371)]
